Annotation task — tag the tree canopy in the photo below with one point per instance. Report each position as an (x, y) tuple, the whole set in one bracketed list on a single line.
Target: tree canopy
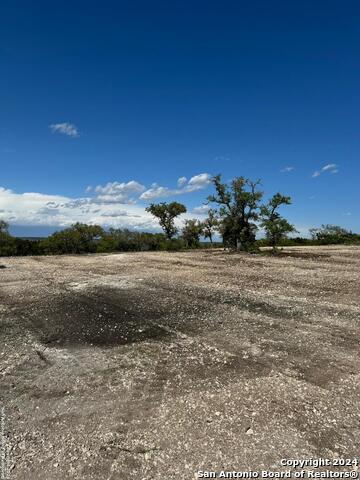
[(166, 214), (238, 209), (210, 225), (7, 242), (4, 227), (79, 238), (276, 227), (191, 232)]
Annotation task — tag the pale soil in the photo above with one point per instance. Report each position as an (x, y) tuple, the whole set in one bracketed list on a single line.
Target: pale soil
[(157, 365)]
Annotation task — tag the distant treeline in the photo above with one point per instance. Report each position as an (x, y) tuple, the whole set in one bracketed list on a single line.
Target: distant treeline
[(81, 238), (324, 235), (238, 214)]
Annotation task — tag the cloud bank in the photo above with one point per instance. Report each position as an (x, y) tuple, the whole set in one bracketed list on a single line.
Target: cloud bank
[(117, 204), (37, 209)]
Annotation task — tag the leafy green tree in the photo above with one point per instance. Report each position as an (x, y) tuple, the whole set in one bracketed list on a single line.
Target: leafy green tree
[(238, 211), (124, 240), (7, 242), (166, 214), (191, 233), (79, 238), (276, 227), (25, 246), (4, 227), (210, 225)]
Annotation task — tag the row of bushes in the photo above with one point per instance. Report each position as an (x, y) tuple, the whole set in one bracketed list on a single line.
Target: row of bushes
[(74, 240), (81, 238), (301, 241), (324, 235), (10, 246)]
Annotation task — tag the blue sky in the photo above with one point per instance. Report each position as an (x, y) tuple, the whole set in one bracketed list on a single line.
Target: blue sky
[(121, 95)]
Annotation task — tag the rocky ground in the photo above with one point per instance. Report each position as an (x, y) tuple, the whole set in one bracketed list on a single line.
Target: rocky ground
[(159, 365)]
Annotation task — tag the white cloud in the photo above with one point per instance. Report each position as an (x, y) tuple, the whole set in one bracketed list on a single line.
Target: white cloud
[(202, 210), (289, 168), (65, 128), (181, 181), (38, 209), (115, 192), (112, 204), (118, 213), (158, 192), (197, 182), (330, 168)]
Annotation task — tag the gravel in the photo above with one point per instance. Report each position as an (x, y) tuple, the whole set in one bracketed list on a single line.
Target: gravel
[(159, 365)]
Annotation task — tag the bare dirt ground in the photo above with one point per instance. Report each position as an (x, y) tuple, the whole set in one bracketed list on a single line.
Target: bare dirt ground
[(158, 365)]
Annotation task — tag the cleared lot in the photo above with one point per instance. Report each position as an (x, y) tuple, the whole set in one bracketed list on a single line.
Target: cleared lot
[(157, 365)]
